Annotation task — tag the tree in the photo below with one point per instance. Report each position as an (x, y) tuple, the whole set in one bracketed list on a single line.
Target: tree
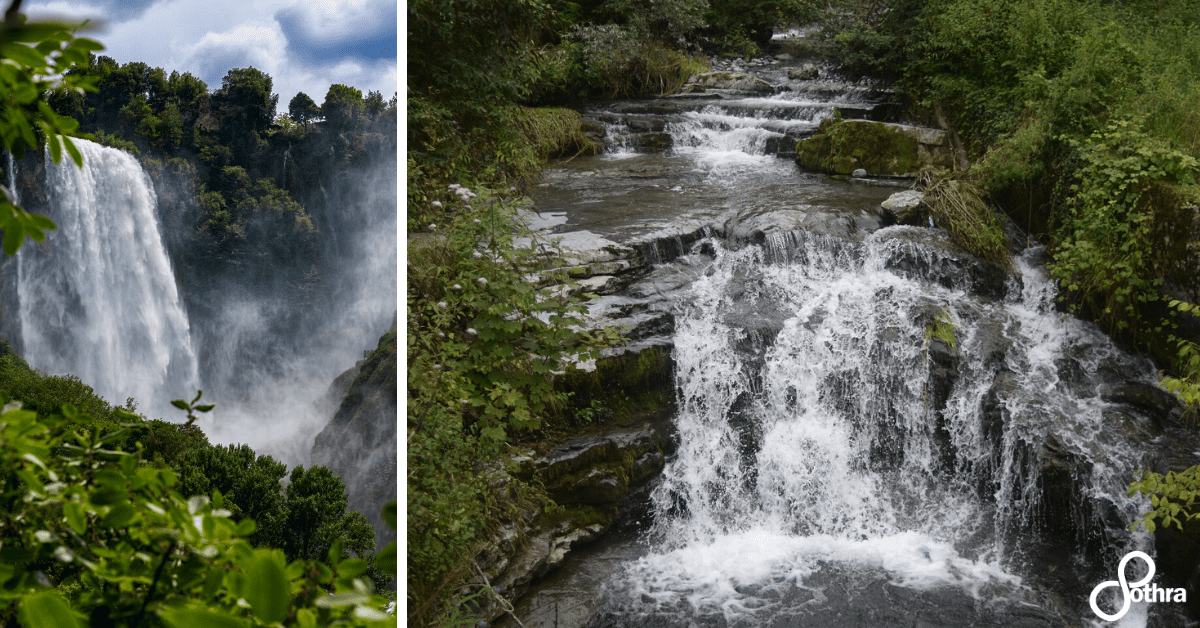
[(246, 94), (316, 509), (303, 109), (343, 105), (374, 103), (38, 56)]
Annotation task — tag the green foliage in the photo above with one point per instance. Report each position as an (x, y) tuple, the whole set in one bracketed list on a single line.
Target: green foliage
[(302, 109), (343, 105), (246, 97), (45, 394), (554, 131), (38, 56), (115, 531), (1106, 249), (1173, 497), (669, 21), (956, 206), (484, 346), (1186, 386), (613, 61), (744, 27)]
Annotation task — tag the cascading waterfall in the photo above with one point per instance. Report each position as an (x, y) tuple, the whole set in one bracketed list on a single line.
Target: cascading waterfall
[(99, 299), (840, 460), (810, 437)]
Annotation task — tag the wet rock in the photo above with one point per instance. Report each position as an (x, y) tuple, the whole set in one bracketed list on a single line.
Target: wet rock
[(596, 486), (1158, 403), (1072, 375), (806, 72), (585, 451), (905, 208), (943, 374), (1178, 560), (859, 173), (928, 254), (649, 464), (652, 142), (733, 81)]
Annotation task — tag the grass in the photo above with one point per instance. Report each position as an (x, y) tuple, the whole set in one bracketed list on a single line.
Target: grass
[(957, 207)]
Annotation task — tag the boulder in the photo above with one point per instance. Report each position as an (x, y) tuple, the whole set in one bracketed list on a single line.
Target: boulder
[(881, 149), (905, 208), (805, 72), (734, 81)]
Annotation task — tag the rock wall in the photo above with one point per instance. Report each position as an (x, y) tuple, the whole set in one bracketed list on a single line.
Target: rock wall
[(359, 443), (591, 474)]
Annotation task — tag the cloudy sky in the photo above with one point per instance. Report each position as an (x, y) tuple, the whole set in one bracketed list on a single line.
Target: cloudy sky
[(305, 46)]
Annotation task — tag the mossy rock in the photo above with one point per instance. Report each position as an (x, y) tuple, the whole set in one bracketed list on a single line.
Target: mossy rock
[(843, 146)]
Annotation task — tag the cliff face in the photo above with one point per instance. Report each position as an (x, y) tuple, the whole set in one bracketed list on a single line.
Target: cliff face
[(359, 443)]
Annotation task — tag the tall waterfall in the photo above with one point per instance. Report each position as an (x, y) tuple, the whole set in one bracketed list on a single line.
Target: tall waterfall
[(98, 299)]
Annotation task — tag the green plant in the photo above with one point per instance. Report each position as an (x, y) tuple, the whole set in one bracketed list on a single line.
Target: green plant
[(1186, 386), (957, 207), (1105, 251), (38, 57), (484, 346), (942, 328), (1173, 496), (114, 532)]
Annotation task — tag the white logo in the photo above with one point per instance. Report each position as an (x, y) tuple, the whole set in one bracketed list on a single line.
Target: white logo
[(1135, 592)]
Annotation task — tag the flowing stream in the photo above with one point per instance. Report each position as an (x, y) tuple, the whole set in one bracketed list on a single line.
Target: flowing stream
[(838, 462)]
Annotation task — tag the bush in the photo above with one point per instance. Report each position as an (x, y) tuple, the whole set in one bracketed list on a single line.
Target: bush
[(113, 533), (483, 346)]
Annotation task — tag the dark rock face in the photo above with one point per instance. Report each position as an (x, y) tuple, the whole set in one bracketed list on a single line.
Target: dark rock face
[(1156, 402), (955, 269), (359, 443), (593, 476)]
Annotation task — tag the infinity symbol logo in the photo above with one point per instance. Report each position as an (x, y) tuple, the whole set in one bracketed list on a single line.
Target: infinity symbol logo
[(1125, 597)]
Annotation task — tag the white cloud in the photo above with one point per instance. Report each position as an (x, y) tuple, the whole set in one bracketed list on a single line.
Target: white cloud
[(210, 38), (261, 45), (339, 20)]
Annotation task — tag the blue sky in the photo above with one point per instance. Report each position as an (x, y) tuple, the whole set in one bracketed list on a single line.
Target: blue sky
[(304, 45)]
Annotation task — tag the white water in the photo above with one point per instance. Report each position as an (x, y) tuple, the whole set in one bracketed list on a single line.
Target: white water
[(845, 465), (99, 300)]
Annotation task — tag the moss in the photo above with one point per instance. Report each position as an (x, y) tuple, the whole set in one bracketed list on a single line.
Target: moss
[(942, 328), (843, 146), (581, 516), (625, 387)]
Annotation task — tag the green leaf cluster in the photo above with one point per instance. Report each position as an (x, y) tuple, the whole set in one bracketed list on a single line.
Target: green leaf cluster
[(36, 58), (484, 346), (1173, 497), (116, 535)]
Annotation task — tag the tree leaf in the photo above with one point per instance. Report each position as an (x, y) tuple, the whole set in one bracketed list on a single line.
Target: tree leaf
[(199, 618), (47, 610), (266, 587)]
